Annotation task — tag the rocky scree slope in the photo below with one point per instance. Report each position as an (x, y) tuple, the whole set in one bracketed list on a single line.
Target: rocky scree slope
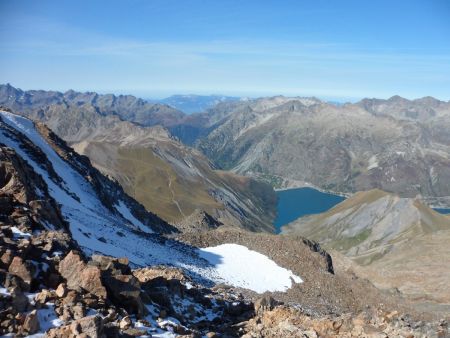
[(49, 285), (168, 178), (383, 144), (53, 225), (395, 242), (101, 217)]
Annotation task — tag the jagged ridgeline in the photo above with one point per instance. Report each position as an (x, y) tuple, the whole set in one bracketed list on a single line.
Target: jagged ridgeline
[(165, 176), (396, 145)]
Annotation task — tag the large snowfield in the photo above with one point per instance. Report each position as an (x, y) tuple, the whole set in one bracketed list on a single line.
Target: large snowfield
[(248, 269), (98, 229)]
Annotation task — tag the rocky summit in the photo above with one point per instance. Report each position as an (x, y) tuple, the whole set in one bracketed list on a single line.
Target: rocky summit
[(79, 257)]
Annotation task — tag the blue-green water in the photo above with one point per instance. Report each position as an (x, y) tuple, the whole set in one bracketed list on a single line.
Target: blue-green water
[(295, 203), (442, 211)]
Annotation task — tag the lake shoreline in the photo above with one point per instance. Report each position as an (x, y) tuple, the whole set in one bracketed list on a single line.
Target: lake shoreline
[(426, 200), (302, 201), (312, 186), (296, 202)]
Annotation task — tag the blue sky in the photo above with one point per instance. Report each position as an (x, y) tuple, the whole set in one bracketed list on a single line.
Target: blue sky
[(330, 49)]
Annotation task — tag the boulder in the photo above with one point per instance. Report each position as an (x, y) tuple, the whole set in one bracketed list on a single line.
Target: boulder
[(44, 296), (91, 326), (134, 332), (13, 281), (81, 276), (265, 303), (126, 291), (61, 290), (125, 323), (6, 258), (31, 323), (19, 300), (112, 265), (23, 269)]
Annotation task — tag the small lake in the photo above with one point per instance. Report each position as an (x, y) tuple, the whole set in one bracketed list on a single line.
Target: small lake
[(295, 203), (442, 211)]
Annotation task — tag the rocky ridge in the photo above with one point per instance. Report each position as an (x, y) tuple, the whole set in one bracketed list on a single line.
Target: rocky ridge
[(166, 177), (397, 243), (383, 144)]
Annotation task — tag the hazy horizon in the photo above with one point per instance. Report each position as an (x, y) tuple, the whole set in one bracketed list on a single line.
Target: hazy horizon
[(157, 48), (161, 96)]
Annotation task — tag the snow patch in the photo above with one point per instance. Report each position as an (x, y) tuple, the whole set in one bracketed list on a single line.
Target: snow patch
[(126, 213), (248, 269), (373, 162), (19, 234)]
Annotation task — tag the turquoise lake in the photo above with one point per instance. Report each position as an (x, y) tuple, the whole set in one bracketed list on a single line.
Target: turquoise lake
[(295, 203), (442, 211)]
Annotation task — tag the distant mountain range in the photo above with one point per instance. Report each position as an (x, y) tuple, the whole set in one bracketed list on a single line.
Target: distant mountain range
[(396, 145), (195, 103), (167, 177)]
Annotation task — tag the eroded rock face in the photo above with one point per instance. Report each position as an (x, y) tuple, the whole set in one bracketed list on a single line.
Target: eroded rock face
[(20, 185), (81, 276)]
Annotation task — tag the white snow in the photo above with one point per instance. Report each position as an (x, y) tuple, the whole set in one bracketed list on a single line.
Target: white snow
[(18, 234), (373, 162), (248, 269), (4, 291), (98, 229), (126, 213)]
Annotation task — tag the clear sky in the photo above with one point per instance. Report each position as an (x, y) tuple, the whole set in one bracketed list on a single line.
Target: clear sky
[(330, 49)]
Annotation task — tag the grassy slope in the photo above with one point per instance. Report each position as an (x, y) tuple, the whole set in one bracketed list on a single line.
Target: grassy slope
[(146, 177)]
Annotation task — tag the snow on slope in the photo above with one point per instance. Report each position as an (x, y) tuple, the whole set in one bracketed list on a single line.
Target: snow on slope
[(126, 213), (97, 229), (92, 225), (249, 269)]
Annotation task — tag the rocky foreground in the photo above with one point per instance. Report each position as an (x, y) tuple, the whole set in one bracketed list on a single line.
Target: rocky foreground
[(50, 287)]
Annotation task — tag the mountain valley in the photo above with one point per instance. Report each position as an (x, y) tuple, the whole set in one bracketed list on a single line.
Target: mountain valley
[(191, 232), (167, 177), (293, 142), (63, 223)]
